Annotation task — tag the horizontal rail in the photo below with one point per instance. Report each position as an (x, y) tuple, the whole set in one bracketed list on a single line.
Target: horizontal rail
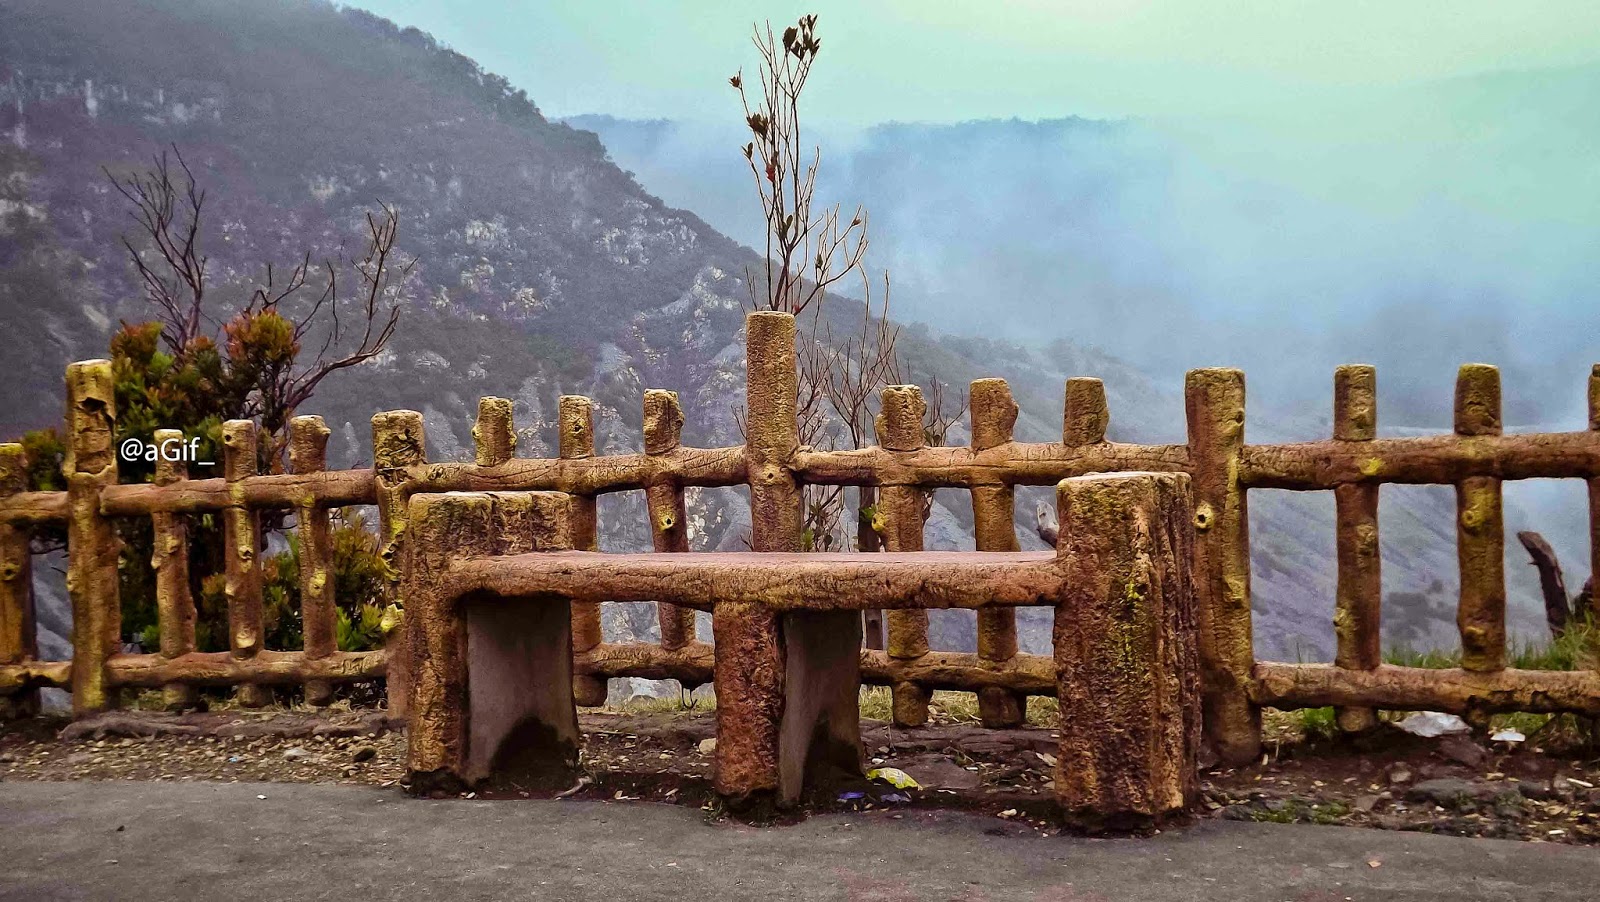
[(694, 664), (585, 475), (333, 488), (779, 581), (225, 669), (33, 507), (1452, 691), (1009, 463), (1028, 674), (1433, 459), (35, 675)]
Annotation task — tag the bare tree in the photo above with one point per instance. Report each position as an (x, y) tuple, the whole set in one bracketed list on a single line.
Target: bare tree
[(313, 304), (808, 250)]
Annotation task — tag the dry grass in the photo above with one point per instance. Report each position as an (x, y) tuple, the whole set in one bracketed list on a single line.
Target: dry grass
[(876, 704)]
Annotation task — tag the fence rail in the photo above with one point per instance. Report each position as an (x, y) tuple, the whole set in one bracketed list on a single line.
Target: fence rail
[(1353, 463)]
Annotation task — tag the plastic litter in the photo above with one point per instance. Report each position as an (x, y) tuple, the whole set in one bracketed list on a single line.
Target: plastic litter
[(1507, 736), (1429, 724), (851, 796), (894, 776)]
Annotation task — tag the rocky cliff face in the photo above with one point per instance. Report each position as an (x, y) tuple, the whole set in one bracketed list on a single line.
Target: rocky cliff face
[(543, 269)]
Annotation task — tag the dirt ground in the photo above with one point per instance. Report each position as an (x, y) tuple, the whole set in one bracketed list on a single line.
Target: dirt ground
[(1455, 786)]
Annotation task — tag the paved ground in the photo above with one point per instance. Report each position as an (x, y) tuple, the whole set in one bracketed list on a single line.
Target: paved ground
[(136, 840)]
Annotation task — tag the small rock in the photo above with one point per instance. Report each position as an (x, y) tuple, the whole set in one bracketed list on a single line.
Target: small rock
[(707, 746), (1464, 751), (1366, 802), (296, 753), (1399, 774), (1453, 792), (364, 753)]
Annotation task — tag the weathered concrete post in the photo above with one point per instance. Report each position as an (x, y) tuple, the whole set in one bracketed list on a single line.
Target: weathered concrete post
[(398, 442), (1594, 500), (175, 612), (1214, 402), (492, 678), (577, 442), (18, 636), (1127, 666), (994, 416), (1359, 596), (241, 538), (900, 429), (308, 453), (1480, 530), (92, 545), (748, 647), (494, 436), (669, 520)]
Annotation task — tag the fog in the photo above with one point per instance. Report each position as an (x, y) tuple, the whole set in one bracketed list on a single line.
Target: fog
[(1413, 228)]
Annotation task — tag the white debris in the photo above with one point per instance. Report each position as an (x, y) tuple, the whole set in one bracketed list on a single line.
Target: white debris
[(1432, 723), (1507, 736)]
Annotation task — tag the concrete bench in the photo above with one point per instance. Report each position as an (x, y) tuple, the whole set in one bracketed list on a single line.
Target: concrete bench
[(488, 586)]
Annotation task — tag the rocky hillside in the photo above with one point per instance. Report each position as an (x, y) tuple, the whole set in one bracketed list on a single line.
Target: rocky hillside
[(543, 268)]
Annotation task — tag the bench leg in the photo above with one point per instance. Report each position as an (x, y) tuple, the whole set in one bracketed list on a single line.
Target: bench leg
[(820, 739), (749, 683), (518, 704), (523, 725), (1127, 667)]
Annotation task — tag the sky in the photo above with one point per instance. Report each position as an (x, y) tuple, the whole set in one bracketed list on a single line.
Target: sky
[(950, 60)]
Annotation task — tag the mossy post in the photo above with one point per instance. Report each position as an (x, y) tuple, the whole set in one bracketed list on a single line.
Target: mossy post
[(92, 546), (900, 429), (1480, 530), (18, 635), (175, 614), (308, 453), (748, 647), (669, 520), (494, 435), (1359, 595), (398, 443), (492, 688), (1214, 405), (241, 539), (1125, 648), (577, 443), (994, 415), (1594, 501)]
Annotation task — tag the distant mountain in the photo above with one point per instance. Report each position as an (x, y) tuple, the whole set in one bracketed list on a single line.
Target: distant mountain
[(543, 269)]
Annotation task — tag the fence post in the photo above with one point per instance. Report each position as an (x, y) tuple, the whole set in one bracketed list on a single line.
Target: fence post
[(1480, 531), (1594, 502), (748, 651), (175, 613), (308, 453), (241, 529), (18, 634), (1359, 597), (577, 442), (1214, 406), (669, 527), (398, 442), (994, 415), (494, 435), (900, 429), (1126, 661), (92, 545)]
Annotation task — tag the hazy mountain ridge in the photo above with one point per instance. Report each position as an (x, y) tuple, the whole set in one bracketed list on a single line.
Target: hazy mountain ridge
[(543, 268)]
